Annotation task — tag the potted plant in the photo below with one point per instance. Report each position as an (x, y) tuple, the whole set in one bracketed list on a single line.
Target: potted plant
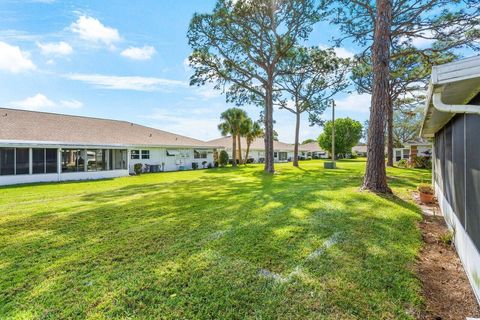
[(204, 163), (426, 193)]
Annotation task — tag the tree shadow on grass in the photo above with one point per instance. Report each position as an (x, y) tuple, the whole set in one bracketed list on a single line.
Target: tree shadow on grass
[(128, 249)]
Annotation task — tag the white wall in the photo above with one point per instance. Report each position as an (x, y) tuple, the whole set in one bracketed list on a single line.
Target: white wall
[(183, 159), (55, 177), (465, 247)]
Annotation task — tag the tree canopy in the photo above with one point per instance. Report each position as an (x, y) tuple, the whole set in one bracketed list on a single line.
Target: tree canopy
[(232, 121), (311, 77), (239, 46), (348, 133)]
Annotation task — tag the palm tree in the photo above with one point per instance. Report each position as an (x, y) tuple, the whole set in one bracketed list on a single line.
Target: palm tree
[(253, 130), (232, 122)]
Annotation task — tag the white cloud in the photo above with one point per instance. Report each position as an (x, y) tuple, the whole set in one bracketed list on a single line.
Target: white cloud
[(135, 53), (93, 30), (344, 53), (60, 48), (341, 52), (40, 102), (427, 38), (14, 60), (71, 104), (358, 103), (127, 82)]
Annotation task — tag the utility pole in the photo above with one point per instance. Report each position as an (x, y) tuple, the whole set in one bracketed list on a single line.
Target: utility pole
[(332, 164), (333, 134)]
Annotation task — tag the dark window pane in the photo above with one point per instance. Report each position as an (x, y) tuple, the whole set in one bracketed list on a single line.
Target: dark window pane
[(23, 161), (472, 188), (145, 154), (38, 161), (51, 156), (458, 186), (448, 168), (7, 158), (135, 154), (110, 160)]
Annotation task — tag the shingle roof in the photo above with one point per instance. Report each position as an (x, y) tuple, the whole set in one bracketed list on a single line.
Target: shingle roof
[(311, 147), (22, 125), (362, 149)]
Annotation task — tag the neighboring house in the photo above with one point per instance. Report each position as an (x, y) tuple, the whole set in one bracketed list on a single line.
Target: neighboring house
[(420, 148), (452, 119), (283, 152), (360, 150), (43, 147), (311, 151)]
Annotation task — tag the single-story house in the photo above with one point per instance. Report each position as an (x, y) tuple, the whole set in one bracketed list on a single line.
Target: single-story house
[(452, 120), (44, 147), (311, 150), (420, 148), (283, 152), (360, 150)]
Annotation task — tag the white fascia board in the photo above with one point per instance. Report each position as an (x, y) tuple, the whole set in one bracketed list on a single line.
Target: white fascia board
[(60, 144)]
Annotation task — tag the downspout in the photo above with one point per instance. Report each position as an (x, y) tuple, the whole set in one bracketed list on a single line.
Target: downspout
[(453, 108)]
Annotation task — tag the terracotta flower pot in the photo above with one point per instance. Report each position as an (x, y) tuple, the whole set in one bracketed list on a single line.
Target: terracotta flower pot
[(426, 197)]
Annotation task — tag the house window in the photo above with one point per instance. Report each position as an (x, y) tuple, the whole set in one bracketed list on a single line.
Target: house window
[(274, 154), (145, 154), (172, 153), (7, 161), (73, 160), (135, 154), (96, 160), (118, 159), (199, 154), (44, 161), (283, 156), (51, 159), (22, 161)]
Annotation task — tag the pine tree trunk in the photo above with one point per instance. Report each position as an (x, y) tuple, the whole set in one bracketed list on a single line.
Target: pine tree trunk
[(234, 150), (239, 149), (390, 133), (375, 175), (297, 134), (269, 166)]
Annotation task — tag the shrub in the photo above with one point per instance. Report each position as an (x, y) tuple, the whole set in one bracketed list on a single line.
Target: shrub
[(421, 162), (138, 168), (223, 158), (204, 163), (209, 166), (425, 188), (354, 155), (194, 165), (447, 238), (402, 163)]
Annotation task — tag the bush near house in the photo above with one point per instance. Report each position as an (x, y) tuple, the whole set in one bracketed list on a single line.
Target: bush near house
[(421, 162), (138, 168), (223, 158)]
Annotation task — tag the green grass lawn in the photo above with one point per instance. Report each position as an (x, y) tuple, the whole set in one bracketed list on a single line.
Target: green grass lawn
[(212, 244)]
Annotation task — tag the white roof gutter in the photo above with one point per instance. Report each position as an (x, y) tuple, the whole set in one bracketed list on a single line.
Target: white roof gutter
[(453, 108)]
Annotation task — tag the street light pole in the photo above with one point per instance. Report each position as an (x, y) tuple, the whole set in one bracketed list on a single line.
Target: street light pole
[(333, 133)]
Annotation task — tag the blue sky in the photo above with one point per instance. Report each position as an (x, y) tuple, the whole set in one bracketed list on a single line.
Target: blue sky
[(124, 60)]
